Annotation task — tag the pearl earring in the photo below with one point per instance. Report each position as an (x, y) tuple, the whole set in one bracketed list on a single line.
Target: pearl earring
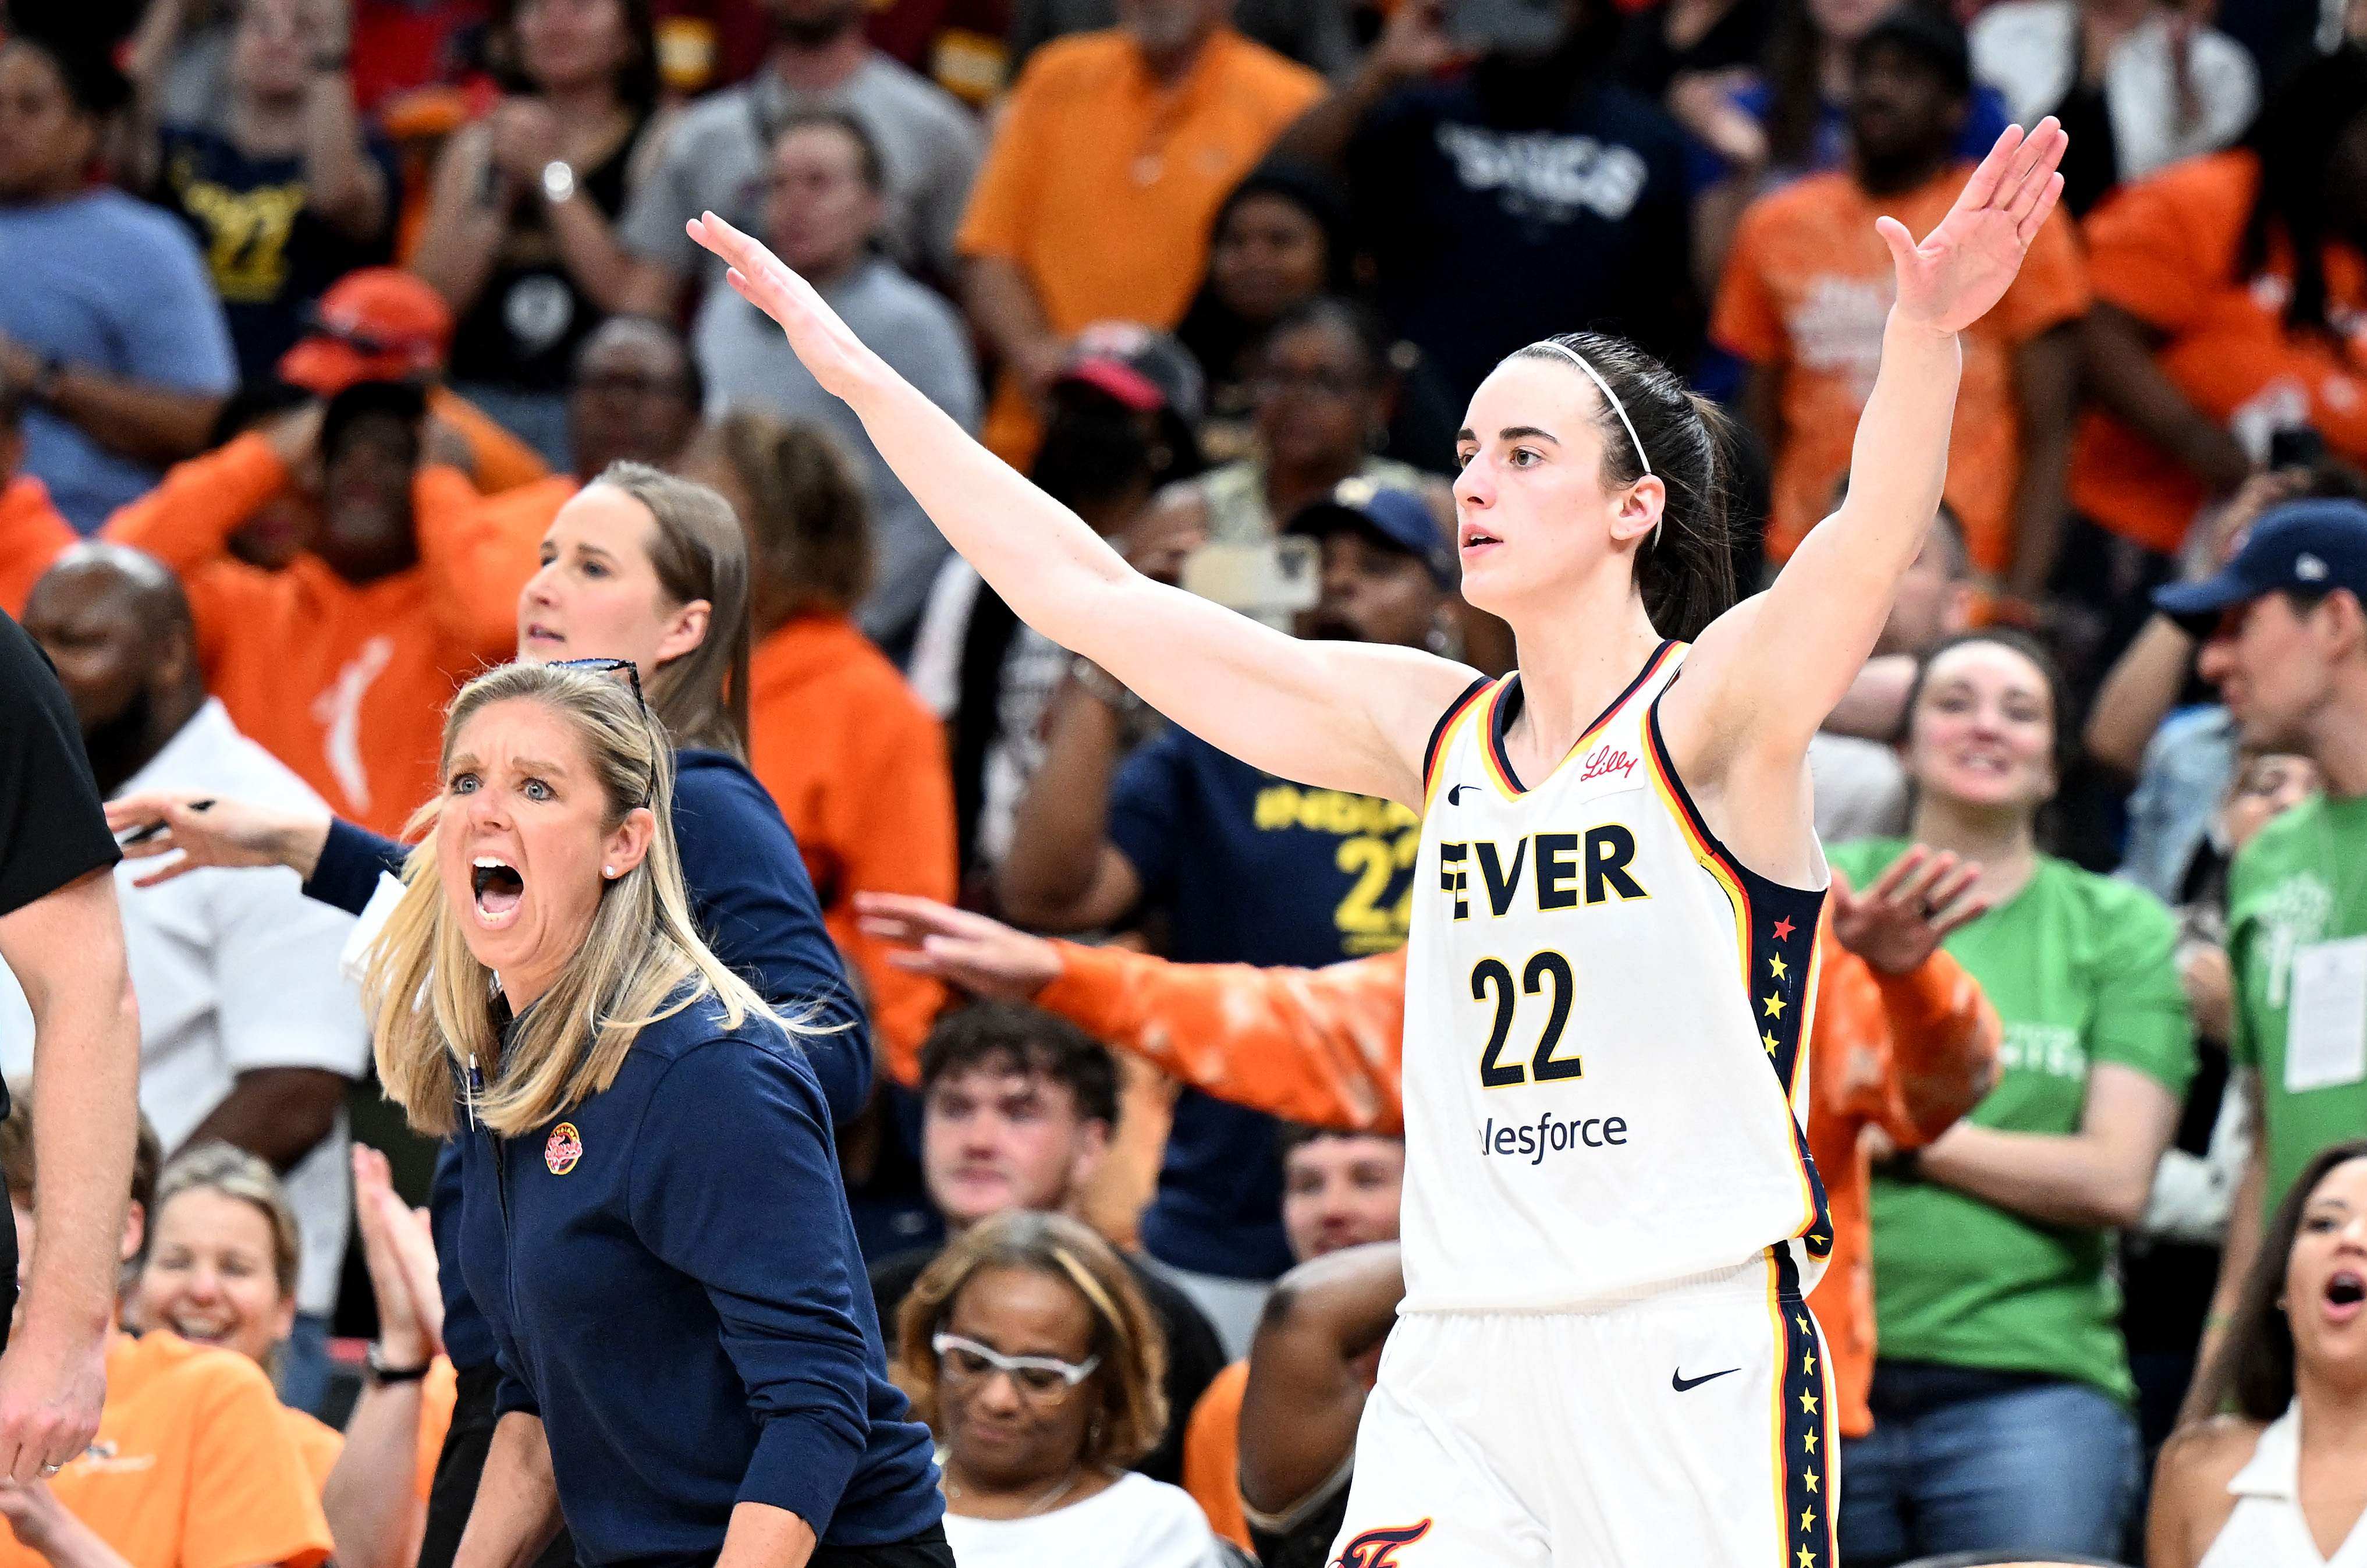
[(609, 872)]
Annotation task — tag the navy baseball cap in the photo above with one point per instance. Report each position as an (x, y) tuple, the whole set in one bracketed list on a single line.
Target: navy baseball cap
[(1399, 519), (2303, 547)]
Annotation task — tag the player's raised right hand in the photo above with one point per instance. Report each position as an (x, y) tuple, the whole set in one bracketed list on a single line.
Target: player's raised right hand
[(823, 342)]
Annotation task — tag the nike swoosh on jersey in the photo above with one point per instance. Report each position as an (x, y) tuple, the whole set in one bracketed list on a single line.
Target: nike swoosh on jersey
[(1679, 1382), (1457, 790)]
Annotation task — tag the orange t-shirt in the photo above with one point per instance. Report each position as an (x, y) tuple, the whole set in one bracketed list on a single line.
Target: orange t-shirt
[(32, 535), (1212, 1454), (345, 683), (1807, 291), (195, 1465), (856, 763), (2168, 250), (1100, 184), (1324, 1046), (437, 1397), (320, 1443)]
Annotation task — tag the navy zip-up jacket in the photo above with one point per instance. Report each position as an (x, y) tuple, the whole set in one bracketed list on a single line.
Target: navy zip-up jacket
[(672, 1280), (753, 901)]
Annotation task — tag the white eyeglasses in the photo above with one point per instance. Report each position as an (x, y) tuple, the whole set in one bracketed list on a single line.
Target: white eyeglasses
[(1042, 1376)]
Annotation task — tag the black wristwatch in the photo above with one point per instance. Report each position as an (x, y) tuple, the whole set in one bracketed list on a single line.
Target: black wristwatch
[(379, 1374)]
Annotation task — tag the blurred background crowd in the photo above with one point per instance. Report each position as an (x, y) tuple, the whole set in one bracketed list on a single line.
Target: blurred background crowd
[(313, 313)]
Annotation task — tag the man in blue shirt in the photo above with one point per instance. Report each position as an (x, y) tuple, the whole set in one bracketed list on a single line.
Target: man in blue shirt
[(108, 325), (1243, 867)]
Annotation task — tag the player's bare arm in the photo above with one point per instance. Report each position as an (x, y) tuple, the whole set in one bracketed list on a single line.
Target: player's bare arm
[(1763, 678), (1343, 716)]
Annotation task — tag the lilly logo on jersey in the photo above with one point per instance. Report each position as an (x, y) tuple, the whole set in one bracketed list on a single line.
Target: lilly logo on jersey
[(1379, 1549), (1604, 761), (1568, 869)]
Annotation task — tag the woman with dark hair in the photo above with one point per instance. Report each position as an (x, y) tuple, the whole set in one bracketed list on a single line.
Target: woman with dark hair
[(2228, 291), (108, 328), (1031, 1352), (1321, 389), (2280, 1480), (1663, 835), (654, 1223), (520, 234), (2001, 1398), (854, 759)]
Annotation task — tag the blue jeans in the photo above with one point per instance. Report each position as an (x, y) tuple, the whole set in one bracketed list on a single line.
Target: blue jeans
[(304, 1365), (1967, 1461)]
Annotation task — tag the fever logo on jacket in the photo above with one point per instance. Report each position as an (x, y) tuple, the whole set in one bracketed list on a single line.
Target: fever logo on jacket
[(562, 1149)]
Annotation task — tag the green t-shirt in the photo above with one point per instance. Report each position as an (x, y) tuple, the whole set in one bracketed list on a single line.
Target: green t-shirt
[(2079, 968), (2282, 896)]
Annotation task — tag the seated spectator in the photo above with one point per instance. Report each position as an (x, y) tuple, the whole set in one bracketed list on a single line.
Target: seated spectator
[(1121, 429), (1321, 387), (1533, 194), (828, 200), (1316, 35), (1017, 1110), (1110, 158), (519, 235), (383, 325), (1278, 241), (1317, 1354), (2220, 285), (2169, 1262), (31, 532), (2273, 1484), (1340, 1191), (2001, 1402), (221, 1269), (716, 158), (634, 397), (2136, 82), (339, 665), (1861, 785), (854, 761), (1807, 289), (1029, 1348), (108, 327), (1790, 118), (248, 1033), (1179, 828), (285, 194), (194, 1461)]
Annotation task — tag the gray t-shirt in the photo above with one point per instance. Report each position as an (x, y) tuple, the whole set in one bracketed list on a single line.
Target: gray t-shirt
[(1860, 789), (715, 162), (748, 363)]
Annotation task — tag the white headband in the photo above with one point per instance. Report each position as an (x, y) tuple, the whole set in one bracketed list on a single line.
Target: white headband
[(1616, 407)]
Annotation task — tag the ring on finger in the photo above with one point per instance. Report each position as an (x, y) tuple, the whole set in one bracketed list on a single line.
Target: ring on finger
[(49, 1470)]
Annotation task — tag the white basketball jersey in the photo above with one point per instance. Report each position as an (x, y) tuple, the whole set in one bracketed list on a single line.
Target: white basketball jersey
[(1606, 1027)]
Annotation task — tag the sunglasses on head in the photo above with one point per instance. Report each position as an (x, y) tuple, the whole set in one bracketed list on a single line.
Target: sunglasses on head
[(626, 668)]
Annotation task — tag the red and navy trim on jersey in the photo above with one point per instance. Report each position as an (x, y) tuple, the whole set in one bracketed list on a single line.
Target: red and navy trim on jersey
[(1775, 933), (1505, 706), (1438, 731), (1802, 1422)]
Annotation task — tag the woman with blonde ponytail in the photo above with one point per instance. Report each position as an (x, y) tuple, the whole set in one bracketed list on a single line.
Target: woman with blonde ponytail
[(652, 1220)]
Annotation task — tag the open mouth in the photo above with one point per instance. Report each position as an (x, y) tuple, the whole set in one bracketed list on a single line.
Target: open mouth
[(498, 889), (537, 633), (2346, 1295), (1477, 539), (199, 1330)]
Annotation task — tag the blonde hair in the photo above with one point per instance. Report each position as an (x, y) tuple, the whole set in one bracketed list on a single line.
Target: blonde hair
[(1130, 1386), (224, 1168), (432, 1003)]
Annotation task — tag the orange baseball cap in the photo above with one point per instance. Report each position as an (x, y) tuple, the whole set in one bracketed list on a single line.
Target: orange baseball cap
[(380, 324)]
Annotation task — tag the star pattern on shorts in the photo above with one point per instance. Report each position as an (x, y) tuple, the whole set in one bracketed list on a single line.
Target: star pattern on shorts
[(1808, 1364), (1777, 965), (1802, 1321), (1783, 930), (1774, 1005)]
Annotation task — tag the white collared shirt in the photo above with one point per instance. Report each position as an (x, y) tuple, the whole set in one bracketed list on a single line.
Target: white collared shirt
[(234, 971), (2267, 1529)]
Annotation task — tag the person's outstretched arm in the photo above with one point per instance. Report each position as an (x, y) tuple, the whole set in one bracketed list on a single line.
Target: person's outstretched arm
[(1736, 704), (1306, 1386), (1340, 715)]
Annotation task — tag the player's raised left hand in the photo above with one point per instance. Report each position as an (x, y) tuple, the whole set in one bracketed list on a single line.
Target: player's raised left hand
[(823, 342), (1963, 267)]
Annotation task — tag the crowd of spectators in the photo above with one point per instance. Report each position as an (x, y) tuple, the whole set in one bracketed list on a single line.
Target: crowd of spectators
[(350, 346)]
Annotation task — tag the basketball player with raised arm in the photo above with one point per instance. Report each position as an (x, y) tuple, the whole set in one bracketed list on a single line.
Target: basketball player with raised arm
[(1610, 1217)]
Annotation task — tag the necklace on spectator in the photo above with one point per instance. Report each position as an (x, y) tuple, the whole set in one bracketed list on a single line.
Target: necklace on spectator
[(1066, 1484)]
